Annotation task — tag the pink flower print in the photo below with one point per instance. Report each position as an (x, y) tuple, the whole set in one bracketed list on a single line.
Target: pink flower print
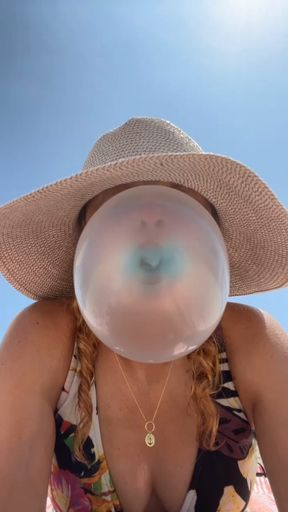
[(66, 494), (262, 499)]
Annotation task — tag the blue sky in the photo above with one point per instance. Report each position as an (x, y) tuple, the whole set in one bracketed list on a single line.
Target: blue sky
[(73, 70)]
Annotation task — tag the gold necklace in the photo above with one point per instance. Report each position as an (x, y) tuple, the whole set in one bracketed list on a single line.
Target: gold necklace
[(149, 424)]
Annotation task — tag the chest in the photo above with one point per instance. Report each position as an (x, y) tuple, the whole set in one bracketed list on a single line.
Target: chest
[(147, 478)]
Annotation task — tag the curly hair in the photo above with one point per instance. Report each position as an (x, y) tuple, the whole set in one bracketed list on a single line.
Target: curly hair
[(205, 380), (204, 367)]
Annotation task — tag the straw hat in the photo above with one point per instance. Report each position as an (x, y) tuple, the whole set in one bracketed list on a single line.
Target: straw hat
[(39, 231)]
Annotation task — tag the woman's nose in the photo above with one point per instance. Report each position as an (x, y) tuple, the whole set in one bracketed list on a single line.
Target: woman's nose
[(152, 222)]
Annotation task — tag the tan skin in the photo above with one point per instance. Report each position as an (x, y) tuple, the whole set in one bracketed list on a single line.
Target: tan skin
[(34, 360), (142, 478)]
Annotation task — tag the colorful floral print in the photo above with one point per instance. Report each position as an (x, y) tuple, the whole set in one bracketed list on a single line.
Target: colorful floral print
[(222, 480)]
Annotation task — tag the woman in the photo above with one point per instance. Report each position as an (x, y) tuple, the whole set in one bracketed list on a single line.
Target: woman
[(207, 409)]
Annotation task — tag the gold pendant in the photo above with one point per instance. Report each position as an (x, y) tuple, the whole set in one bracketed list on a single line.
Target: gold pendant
[(150, 439)]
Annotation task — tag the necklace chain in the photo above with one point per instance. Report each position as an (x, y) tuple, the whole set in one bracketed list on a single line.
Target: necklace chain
[(150, 438)]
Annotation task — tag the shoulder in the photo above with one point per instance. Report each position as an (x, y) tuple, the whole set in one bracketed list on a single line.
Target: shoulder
[(41, 313), (39, 344), (48, 323), (256, 345), (240, 321), (248, 329), (51, 314)]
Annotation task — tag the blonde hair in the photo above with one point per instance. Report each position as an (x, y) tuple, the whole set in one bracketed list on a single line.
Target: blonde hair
[(204, 365)]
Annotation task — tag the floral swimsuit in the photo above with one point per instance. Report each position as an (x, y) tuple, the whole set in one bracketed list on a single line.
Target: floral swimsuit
[(222, 480)]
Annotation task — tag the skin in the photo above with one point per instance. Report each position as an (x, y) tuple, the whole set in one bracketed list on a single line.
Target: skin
[(257, 349), (35, 356)]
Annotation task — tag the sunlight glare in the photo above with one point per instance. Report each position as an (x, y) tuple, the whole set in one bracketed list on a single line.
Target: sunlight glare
[(233, 25)]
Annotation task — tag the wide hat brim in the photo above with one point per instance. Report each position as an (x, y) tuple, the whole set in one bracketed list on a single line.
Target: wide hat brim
[(39, 231)]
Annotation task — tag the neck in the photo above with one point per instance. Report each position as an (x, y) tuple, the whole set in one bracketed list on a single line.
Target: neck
[(146, 374)]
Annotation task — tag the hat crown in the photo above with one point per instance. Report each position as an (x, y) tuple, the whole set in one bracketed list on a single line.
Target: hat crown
[(140, 136)]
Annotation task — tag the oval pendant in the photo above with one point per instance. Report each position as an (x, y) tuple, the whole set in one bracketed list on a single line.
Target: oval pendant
[(150, 439)]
